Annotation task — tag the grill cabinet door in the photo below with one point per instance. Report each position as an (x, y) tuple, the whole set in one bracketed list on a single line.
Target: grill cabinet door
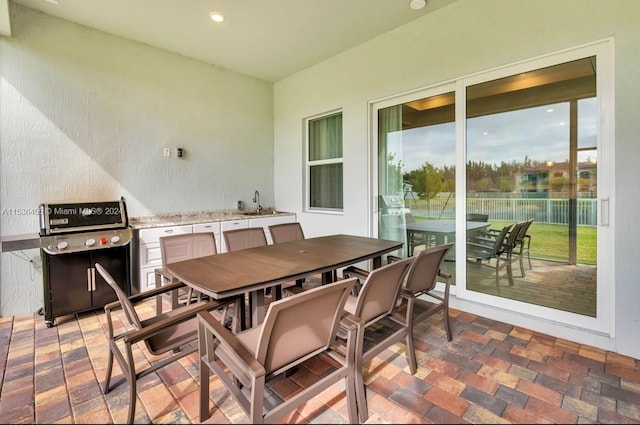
[(116, 262), (68, 292)]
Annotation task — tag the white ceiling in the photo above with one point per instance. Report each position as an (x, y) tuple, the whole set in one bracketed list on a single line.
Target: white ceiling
[(267, 39)]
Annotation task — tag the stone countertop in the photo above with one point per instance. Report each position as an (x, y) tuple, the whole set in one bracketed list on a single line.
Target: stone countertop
[(178, 219)]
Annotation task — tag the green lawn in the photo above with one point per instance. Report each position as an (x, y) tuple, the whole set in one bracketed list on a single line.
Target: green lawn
[(552, 241)]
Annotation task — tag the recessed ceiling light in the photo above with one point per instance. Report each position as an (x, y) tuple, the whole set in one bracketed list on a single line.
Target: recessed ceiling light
[(417, 4), (216, 17)]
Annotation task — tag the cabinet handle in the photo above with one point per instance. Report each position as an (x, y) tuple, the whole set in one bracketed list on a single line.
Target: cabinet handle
[(93, 278), (169, 231), (89, 279)]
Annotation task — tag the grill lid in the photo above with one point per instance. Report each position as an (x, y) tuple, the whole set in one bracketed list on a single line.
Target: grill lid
[(82, 217)]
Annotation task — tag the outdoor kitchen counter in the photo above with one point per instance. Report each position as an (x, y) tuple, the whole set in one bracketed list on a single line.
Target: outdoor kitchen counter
[(177, 219)]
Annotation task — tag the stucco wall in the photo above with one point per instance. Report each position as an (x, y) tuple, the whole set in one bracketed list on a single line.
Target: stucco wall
[(85, 115), (467, 37)]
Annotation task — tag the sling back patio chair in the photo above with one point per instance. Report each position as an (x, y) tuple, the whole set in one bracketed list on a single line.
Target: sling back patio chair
[(295, 329), (174, 332), (375, 308), (420, 282), (500, 250), (286, 232), (523, 245), (183, 247), (250, 237)]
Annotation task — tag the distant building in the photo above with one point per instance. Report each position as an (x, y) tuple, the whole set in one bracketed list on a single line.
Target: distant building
[(553, 180)]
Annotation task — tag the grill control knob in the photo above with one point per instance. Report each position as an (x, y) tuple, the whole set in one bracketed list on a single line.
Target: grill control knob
[(115, 239), (62, 245), (90, 242), (103, 241)]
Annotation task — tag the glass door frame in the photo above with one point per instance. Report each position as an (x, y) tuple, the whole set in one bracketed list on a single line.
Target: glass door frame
[(603, 323)]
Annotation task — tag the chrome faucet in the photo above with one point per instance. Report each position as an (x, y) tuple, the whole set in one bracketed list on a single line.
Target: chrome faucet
[(256, 200)]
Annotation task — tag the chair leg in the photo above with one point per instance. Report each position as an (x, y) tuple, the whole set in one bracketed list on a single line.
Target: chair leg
[(411, 352), (352, 404), (204, 389), (447, 322), (257, 400), (131, 377), (509, 269), (107, 380), (361, 396)]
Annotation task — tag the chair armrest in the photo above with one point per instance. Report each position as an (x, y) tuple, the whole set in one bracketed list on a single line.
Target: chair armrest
[(134, 299), (156, 291), (350, 321), (478, 246), (242, 357), (164, 273), (353, 271), (393, 259), (444, 275), (182, 316)]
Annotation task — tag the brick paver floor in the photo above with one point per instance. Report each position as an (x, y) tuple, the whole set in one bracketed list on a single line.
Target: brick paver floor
[(491, 372)]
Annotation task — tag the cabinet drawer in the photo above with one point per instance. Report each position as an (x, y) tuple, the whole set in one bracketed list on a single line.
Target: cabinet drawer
[(234, 224), (207, 227), (147, 278), (270, 221), (154, 235), (150, 255)]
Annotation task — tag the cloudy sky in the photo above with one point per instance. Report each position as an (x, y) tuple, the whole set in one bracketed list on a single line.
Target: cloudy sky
[(541, 134)]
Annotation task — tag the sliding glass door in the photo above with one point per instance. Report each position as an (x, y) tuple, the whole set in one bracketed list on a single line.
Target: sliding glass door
[(526, 147), (416, 169), (531, 154)]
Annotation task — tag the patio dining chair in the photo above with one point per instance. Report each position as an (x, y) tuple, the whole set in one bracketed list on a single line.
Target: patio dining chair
[(295, 329), (500, 249), (183, 247), (170, 335), (420, 281), (250, 237), (286, 232), (380, 324), (523, 245)]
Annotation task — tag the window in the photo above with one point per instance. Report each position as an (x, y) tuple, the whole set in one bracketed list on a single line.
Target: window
[(324, 163)]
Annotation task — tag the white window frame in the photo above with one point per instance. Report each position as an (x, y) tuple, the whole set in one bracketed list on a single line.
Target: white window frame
[(308, 164)]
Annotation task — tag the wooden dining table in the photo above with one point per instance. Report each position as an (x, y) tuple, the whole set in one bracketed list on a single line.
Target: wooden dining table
[(252, 270)]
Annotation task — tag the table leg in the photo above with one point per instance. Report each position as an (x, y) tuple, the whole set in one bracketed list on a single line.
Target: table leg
[(257, 312), (327, 277)]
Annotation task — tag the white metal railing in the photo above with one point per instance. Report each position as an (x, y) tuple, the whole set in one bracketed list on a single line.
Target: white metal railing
[(552, 211)]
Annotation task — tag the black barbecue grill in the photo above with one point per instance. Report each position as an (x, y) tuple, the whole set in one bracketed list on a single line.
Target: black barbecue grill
[(73, 237)]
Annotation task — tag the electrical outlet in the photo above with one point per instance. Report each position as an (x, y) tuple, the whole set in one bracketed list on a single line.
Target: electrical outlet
[(167, 152)]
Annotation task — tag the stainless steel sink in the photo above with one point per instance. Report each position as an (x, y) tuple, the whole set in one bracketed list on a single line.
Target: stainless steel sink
[(266, 211)]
